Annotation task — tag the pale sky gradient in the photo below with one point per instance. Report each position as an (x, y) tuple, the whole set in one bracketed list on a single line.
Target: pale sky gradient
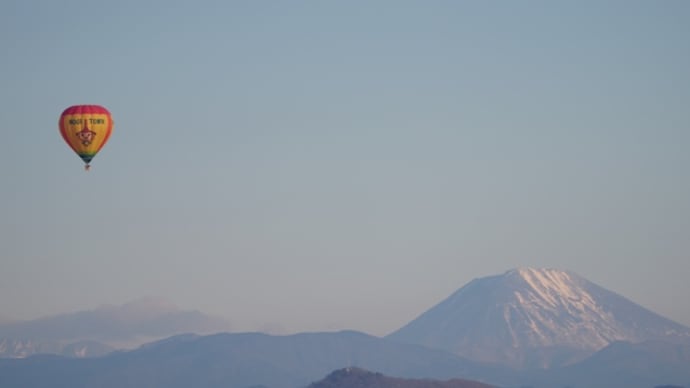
[(323, 165)]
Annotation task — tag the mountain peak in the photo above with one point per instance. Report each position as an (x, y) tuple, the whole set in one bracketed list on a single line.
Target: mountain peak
[(543, 275), (531, 271), (540, 315), (144, 306), (553, 288)]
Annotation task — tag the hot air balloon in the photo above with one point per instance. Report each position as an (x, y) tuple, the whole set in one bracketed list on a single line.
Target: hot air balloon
[(86, 129)]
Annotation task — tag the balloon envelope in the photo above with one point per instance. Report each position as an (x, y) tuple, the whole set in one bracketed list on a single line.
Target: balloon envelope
[(86, 129)]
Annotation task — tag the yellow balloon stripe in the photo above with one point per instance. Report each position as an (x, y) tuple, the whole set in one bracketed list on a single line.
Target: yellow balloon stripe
[(86, 133)]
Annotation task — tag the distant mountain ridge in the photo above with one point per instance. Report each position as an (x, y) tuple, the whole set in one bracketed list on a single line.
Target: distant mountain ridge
[(294, 361), (624, 364), (104, 328), (543, 328), (530, 317), (243, 360)]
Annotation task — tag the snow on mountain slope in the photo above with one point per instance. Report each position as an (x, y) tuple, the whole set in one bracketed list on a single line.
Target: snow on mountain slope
[(531, 317)]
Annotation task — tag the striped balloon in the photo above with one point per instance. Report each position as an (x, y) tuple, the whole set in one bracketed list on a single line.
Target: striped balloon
[(86, 129)]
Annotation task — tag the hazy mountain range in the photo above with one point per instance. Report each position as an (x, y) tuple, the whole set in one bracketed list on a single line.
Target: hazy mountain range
[(101, 330), (242, 360), (526, 328)]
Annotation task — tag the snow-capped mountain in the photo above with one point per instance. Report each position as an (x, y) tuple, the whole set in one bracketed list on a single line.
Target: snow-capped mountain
[(531, 317)]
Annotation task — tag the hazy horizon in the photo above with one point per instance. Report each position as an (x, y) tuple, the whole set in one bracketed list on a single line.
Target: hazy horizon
[(161, 304), (311, 166)]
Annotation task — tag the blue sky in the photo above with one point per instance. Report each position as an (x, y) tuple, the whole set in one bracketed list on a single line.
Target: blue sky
[(301, 166)]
